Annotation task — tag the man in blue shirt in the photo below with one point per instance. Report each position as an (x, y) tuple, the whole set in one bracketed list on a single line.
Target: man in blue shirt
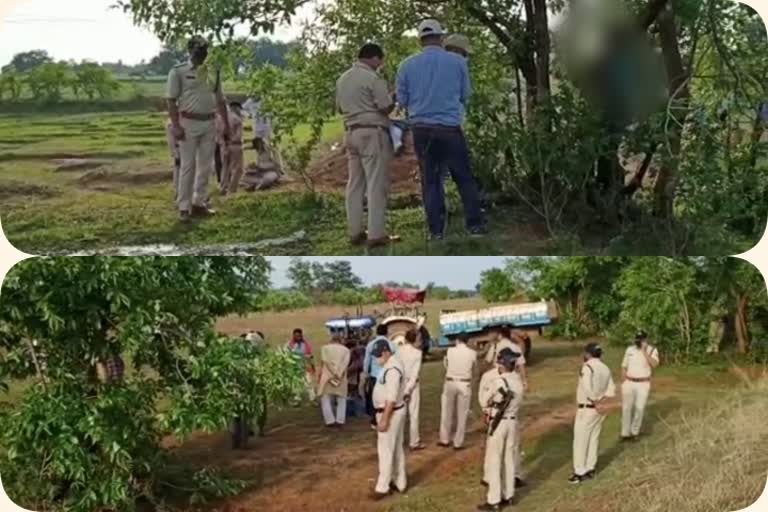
[(372, 369), (434, 87)]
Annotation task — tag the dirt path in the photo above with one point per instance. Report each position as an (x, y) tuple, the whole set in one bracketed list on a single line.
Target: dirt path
[(302, 466)]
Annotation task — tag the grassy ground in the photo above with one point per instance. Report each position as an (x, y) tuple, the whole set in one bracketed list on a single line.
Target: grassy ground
[(302, 466), (131, 202)]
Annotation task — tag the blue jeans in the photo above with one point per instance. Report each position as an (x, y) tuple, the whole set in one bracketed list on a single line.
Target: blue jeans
[(445, 148)]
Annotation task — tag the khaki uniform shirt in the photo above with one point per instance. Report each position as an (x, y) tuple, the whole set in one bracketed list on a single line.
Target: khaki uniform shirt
[(460, 362), (636, 365), (595, 382), (508, 381), (194, 89), (390, 386), (411, 358), (333, 380), (495, 348), (362, 95)]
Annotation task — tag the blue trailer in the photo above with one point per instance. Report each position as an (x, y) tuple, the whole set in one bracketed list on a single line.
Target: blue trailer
[(480, 325)]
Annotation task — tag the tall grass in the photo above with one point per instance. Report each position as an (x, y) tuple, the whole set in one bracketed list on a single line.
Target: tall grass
[(714, 460)]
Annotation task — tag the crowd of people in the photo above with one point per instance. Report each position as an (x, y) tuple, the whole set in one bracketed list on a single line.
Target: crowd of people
[(386, 378), (430, 96), (206, 133)]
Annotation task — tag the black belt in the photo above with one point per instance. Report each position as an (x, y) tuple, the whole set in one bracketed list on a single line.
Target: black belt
[(586, 406), (438, 128), (451, 379), (354, 127), (380, 411), (509, 417)]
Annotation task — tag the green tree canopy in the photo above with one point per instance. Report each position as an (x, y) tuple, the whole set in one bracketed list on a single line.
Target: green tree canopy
[(74, 441)]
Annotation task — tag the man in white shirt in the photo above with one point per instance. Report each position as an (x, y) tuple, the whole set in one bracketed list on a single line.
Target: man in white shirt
[(594, 388), (411, 358), (639, 362), (262, 125), (460, 362)]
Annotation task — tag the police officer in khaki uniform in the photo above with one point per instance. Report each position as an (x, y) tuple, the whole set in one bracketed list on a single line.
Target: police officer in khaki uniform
[(389, 405), (500, 449), (193, 100), (412, 358), (504, 342), (364, 99), (639, 362), (595, 387), (460, 362)]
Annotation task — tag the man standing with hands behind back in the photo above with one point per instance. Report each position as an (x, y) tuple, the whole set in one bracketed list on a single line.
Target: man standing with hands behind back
[(639, 362), (192, 104), (364, 99)]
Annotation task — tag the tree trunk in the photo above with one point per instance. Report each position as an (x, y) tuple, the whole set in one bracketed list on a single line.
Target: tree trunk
[(543, 46), (666, 182), (758, 128), (742, 331)]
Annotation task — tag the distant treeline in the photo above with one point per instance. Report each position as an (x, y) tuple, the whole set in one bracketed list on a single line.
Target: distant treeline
[(335, 283)]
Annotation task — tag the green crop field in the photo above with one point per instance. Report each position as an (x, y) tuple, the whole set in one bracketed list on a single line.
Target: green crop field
[(122, 196)]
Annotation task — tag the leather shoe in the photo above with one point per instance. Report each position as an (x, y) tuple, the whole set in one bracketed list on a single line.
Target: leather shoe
[(359, 239), (202, 211), (377, 496), (383, 242), (488, 506), (185, 216)]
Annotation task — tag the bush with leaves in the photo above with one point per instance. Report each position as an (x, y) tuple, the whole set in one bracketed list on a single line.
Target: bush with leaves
[(92, 79), (72, 441), (284, 300), (496, 285), (11, 84)]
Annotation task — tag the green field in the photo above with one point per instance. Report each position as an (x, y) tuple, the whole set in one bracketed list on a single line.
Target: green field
[(125, 197)]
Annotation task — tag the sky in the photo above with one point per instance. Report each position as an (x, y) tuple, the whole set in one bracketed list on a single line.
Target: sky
[(84, 29), (454, 271)]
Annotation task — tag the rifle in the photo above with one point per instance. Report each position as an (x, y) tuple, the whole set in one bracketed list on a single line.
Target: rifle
[(507, 395)]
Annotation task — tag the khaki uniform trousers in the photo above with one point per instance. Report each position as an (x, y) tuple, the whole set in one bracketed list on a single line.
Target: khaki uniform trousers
[(586, 440), (370, 156), (634, 397), (233, 169), (414, 438), (392, 454), (326, 405), (455, 407), (518, 452), (500, 462), (196, 150)]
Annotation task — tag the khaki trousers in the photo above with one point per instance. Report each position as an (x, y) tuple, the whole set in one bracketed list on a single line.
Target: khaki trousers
[(370, 153), (455, 407), (413, 417), (326, 405), (586, 440), (233, 169), (634, 397), (196, 150), (392, 454), (500, 462)]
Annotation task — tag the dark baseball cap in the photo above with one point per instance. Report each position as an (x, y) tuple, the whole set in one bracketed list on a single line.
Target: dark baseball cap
[(594, 349), (507, 357), (641, 335), (380, 347)]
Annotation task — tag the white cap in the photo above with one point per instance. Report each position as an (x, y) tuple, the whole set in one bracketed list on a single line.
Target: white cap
[(430, 28)]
